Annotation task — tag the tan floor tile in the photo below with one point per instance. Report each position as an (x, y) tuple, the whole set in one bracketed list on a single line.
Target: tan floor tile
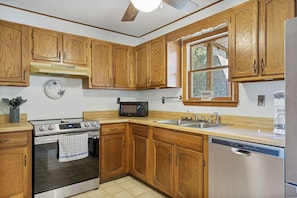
[(126, 187), (123, 194)]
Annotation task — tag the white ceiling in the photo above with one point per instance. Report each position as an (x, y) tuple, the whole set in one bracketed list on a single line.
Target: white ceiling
[(106, 14)]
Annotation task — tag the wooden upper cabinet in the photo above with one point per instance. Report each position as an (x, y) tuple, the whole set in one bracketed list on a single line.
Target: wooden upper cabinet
[(75, 50), (244, 40), (101, 64), (157, 58), (158, 64), (121, 66), (14, 53), (46, 45), (141, 62), (56, 47), (273, 13), (257, 39)]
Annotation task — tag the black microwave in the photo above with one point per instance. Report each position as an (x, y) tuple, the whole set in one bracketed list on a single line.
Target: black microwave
[(134, 109)]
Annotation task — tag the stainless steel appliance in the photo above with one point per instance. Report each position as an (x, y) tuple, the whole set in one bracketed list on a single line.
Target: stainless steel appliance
[(53, 178), (133, 109), (291, 107), (245, 169)]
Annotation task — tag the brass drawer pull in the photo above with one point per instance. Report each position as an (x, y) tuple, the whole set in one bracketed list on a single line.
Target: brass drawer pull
[(4, 140)]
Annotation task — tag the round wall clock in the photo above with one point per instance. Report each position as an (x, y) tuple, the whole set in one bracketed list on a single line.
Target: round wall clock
[(54, 89)]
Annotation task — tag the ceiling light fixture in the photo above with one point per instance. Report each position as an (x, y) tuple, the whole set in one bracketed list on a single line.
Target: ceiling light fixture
[(146, 5)]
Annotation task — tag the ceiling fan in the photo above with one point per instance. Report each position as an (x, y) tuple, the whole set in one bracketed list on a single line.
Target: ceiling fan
[(184, 5)]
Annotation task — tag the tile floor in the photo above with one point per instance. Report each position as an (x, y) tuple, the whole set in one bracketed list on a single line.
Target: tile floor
[(126, 187)]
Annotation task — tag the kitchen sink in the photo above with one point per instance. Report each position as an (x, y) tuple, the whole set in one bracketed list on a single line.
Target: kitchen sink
[(174, 122), (202, 125), (189, 123)]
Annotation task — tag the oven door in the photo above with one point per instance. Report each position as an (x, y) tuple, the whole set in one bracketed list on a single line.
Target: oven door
[(50, 174)]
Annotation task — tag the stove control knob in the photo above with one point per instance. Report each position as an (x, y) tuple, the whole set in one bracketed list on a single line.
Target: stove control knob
[(50, 127), (41, 128), (87, 124), (94, 124)]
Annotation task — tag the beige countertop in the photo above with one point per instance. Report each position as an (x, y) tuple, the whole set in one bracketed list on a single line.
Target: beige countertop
[(15, 127), (250, 134)]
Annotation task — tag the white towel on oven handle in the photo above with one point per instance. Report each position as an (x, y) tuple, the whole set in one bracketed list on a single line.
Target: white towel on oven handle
[(73, 147)]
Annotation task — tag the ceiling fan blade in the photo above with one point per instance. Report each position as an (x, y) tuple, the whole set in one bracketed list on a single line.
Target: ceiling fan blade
[(183, 5), (130, 13)]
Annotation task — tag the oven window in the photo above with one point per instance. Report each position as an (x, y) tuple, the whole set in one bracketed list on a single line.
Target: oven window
[(50, 174)]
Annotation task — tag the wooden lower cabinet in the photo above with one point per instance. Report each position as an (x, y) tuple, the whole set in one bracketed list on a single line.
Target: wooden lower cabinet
[(15, 168), (139, 151), (163, 166), (113, 151), (188, 173), (178, 163)]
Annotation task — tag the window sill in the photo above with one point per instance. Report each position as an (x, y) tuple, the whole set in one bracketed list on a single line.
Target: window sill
[(218, 103)]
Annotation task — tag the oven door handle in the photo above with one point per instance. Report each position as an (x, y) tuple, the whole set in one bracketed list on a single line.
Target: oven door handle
[(46, 139)]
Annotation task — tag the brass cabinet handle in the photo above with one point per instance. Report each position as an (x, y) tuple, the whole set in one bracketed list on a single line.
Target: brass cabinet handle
[(255, 66), (4, 140), (262, 65)]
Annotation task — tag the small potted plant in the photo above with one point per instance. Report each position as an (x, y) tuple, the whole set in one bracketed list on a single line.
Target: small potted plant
[(14, 109)]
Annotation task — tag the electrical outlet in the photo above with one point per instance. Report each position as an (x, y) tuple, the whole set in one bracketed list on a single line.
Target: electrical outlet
[(261, 100)]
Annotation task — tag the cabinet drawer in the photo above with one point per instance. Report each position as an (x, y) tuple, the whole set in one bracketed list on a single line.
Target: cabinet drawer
[(13, 139), (140, 130), (113, 128), (179, 138)]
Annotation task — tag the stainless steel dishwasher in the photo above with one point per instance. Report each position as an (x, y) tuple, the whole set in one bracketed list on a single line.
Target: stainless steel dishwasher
[(245, 169)]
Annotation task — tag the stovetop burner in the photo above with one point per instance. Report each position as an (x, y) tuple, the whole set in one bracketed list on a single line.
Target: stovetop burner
[(61, 126)]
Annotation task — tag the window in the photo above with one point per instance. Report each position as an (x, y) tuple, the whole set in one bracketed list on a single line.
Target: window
[(206, 70)]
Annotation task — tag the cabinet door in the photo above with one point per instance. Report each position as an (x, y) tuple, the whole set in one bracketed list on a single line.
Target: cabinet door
[(244, 40), (188, 173), (139, 156), (14, 172), (141, 56), (14, 53), (158, 62), (121, 66), (112, 155), (75, 50), (139, 151), (101, 64), (46, 45), (273, 13), (163, 166)]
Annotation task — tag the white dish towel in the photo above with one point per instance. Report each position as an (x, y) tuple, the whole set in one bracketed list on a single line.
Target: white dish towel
[(73, 147)]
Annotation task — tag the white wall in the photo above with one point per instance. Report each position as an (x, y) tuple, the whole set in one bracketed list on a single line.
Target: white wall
[(248, 100), (76, 100), (72, 104)]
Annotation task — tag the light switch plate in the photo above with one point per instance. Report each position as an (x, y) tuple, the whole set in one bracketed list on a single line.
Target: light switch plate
[(261, 100)]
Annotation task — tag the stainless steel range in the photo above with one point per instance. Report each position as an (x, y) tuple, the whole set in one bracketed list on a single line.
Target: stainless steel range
[(65, 157)]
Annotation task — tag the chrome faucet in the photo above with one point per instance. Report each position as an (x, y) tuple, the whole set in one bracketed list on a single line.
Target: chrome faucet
[(216, 115), (196, 117)]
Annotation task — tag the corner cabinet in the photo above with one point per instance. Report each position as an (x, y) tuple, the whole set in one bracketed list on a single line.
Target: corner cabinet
[(14, 53), (158, 64), (178, 163), (139, 151), (55, 47), (16, 166), (113, 151), (257, 39)]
